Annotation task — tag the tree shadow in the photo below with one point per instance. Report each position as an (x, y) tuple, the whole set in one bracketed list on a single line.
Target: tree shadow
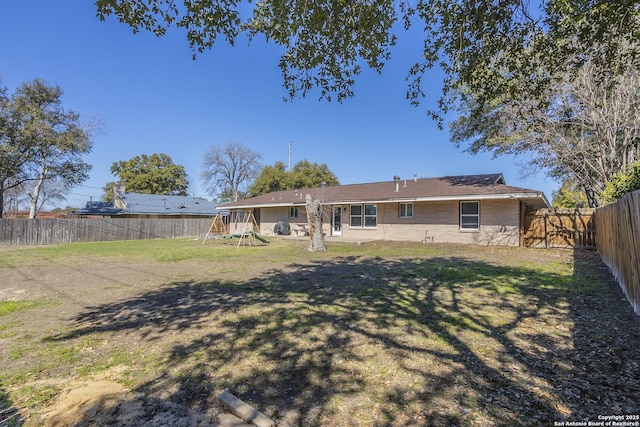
[(376, 341), (9, 415), (605, 379)]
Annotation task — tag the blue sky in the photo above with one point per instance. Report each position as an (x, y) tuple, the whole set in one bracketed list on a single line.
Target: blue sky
[(151, 97)]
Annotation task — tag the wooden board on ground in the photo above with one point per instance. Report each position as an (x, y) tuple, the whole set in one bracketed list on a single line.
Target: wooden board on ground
[(244, 411), (228, 420)]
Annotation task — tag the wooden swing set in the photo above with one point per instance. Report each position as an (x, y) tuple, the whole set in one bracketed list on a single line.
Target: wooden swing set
[(245, 224)]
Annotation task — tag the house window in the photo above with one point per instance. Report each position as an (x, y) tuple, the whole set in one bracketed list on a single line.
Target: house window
[(469, 215), (370, 216), (406, 210), (293, 212), (363, 216), (355, 216)]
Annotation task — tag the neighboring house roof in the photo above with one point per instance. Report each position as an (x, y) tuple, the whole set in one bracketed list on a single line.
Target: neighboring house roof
[(97, 208), (465, 187), (151, 204), (156, 204)]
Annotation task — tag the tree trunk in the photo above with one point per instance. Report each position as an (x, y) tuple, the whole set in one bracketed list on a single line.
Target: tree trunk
[(33, 209), (1, 199), (592, 198), (314, 217), (34, 197)]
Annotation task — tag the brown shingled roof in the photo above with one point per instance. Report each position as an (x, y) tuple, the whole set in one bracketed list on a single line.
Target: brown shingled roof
[(442, 188)]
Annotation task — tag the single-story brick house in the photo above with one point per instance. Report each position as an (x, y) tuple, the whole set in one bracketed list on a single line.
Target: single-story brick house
[(479, 209)]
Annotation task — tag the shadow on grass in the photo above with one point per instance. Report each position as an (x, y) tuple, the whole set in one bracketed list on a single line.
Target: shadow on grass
[(606, 357), (373, 341), (9, 414)]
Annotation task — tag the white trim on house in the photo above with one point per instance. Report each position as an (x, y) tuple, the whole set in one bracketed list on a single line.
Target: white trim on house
[(436, 205), (261, 205), (514, 196)]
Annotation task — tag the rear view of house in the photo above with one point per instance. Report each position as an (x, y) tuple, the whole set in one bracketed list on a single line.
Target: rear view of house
[(478, 209)]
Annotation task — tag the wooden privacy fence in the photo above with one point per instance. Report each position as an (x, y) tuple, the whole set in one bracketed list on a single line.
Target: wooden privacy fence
[(559, 228), (72, 230), (618, 237)]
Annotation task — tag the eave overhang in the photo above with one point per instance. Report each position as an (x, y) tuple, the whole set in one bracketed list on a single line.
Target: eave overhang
[(538, 196)]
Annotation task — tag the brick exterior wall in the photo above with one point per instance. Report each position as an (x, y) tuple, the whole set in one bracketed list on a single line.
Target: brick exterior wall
[(499, 222)]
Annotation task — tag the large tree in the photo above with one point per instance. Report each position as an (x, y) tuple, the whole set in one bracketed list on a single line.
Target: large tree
[(306, 175), (154, 174), (41, 142), (6, 147), (327, 42), (303, 175), (494, 54), (229, 169), (584, 126), (271, 179), (15, 151)]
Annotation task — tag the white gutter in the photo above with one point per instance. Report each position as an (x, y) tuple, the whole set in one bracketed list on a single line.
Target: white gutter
[(260, 205), (513, 196)]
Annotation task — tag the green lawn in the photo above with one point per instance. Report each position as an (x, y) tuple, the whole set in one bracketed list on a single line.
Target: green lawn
[(381, 334)]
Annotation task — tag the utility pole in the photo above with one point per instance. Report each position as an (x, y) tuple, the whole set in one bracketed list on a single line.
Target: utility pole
[(289, 166)]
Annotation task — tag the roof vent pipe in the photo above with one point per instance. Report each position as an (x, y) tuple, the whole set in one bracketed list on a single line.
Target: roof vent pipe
[(396, 179), (415, 176)]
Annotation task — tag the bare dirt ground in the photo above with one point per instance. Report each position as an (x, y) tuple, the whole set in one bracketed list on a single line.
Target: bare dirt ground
[(77, 287), (119, 319)]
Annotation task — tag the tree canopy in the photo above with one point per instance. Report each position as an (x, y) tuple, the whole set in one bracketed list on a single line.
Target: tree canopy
[(583, 126), (569, 195), (621, 184), (327, 42), (154, 174), (303, 175), (271, 178), (515, 71), (41, 143)]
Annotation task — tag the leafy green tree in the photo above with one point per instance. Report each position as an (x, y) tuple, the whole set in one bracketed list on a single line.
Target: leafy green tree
[(228, 169), (12, 154), (325, 43), (569, 195), (303, 175), (583, 126), (154, 174), (308, 175), (271, 178), (41, 143), (621, 184), (509, 65)]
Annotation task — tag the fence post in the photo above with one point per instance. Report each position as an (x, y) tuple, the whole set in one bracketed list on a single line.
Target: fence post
[(546, 232)]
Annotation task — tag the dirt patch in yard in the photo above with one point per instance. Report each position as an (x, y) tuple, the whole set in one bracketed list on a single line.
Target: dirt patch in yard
[(386, 334), (78, 286)]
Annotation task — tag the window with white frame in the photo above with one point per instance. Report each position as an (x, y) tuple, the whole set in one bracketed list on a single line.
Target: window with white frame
[(370, 216), (355, 216), (363, 216), (406, 210), (469, 215)]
